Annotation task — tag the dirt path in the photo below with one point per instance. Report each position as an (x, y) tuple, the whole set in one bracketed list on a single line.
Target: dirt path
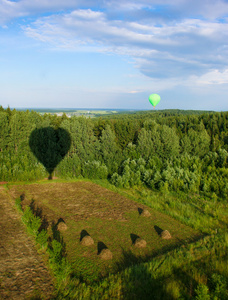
[(23, 274)]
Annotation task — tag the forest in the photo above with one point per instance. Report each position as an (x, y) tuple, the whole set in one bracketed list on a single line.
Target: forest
[(173, 161), (168, 151)]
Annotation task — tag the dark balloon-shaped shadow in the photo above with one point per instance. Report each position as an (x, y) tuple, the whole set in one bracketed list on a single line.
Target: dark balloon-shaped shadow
[(50, 146)]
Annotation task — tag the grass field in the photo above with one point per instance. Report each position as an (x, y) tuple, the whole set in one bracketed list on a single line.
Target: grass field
[(77, 112), (112, 220)]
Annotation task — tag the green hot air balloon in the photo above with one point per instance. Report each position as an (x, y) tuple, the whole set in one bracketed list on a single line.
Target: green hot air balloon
[(154, 99)]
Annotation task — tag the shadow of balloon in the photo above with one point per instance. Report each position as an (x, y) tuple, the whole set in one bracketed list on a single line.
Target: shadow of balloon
[(50, 146)]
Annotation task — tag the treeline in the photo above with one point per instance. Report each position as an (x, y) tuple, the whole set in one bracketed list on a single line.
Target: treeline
[(165, 151)]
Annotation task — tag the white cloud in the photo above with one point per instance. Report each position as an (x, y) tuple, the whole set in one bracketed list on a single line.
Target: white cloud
[(16, 9), (171, 10), (134, 92), (157, 9), (7, 11), (213, 78), (172, 43), (189, 47)]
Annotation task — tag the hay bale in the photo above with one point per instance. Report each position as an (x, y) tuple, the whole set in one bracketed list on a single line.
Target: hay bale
[(62, 226), (140, 243), (87, 241), (105, 254), (145, 213), (165, 235)]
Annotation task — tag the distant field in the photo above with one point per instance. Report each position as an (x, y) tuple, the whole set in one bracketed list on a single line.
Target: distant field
[(109, 218), (79, 112)]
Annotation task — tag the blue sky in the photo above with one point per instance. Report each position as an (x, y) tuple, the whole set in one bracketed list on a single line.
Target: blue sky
[(114, 54)]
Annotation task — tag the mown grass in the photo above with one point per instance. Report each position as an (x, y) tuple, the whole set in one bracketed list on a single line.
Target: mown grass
[(205, 214), (174, 275), (180, 269), (86, 206)]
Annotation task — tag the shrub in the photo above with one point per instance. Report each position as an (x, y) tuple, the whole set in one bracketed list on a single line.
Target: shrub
[(42, 238), (219, 286), (202, 292), (55, 251), (32, 222), (95, 170)]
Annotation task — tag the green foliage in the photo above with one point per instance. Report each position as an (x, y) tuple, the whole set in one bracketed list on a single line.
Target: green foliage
[(219, 286), (4, 131), (57, 261), (18, 204), (182, 151), (202, 292), (126, 132), (42, 238), (70, 166), (132, 172), (196, 142), (95, 170), (145, 144), (110, 151), (180, 155), (56, 251), (32, 222), (83, 141)]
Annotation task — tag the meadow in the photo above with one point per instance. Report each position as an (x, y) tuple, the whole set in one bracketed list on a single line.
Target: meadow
[(179, 268), (112, 220), (70, 112)]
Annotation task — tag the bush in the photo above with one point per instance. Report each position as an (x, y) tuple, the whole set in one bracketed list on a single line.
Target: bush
[(42, 238), (219, 286), (59, 264), (32, 222), (56, 251), (202, 292), (95, 170)]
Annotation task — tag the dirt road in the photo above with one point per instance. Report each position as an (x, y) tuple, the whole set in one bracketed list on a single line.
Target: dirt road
[(23, 274)]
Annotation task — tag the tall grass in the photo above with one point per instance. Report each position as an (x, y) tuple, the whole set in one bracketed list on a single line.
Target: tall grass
[(53, 246)]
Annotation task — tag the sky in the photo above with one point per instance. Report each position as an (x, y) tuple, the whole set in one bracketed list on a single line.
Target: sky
[(114, 54)]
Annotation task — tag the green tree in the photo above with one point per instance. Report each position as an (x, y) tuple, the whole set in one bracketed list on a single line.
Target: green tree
[(4, 131), (110, 152), (83, 141), (195, 142), (158, 140), (145, 146), (126, 132), (169, 141)]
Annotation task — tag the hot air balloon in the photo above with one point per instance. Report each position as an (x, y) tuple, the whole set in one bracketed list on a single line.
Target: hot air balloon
[(154, 99)]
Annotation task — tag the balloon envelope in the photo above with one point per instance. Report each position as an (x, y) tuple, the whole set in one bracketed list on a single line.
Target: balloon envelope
[(154, 99)]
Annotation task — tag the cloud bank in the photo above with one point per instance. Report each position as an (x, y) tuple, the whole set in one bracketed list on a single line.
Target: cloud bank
[(179, 48)]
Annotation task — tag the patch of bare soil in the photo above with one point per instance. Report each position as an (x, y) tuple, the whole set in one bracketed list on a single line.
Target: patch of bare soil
[(23, 274)]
